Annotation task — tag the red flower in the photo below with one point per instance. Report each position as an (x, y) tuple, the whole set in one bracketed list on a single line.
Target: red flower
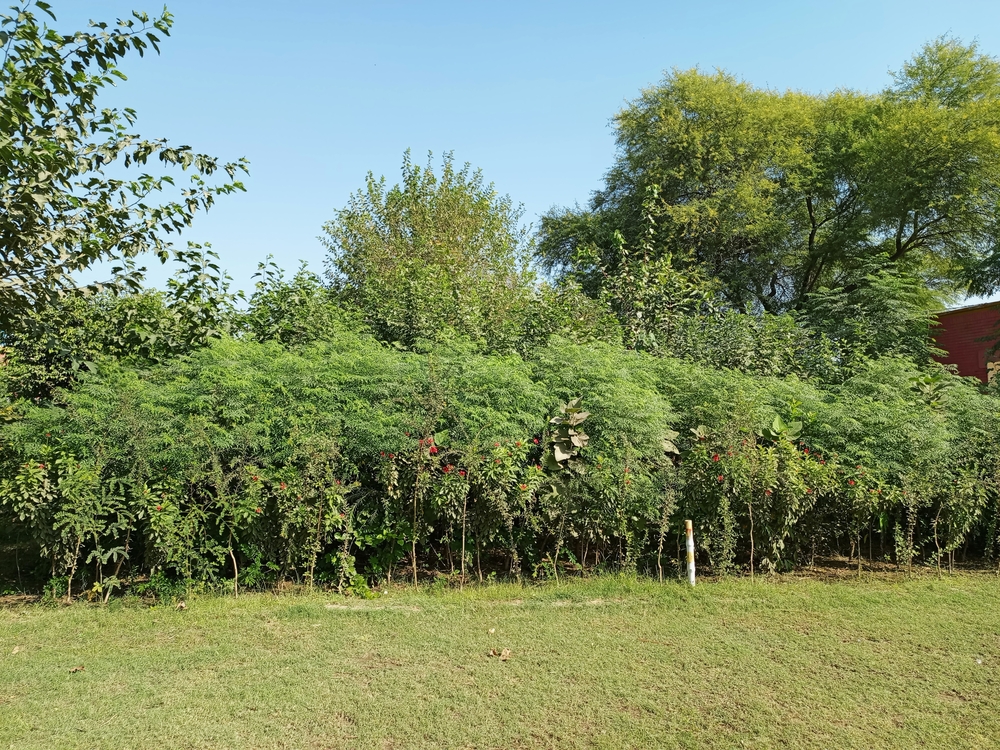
[(159, 507), (850, 482), (420, 442), (461, 472), (806, 451), (538, 466), (808, 491), (536, 441), (496, 445), (767, 492), (729, 453), (337, 481), (720, 477), (496, 461), (518, 443), (382, 454), (254, 477), (715, 457), (523, 487), (822, 461), (392, 455), (41, 466), (284, 486), (447, 469), (433, 449), (257, 510), (407, 434)]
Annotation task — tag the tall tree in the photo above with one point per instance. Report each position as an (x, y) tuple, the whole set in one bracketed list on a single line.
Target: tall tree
[(61, 211), (434, 254), (780, 195)]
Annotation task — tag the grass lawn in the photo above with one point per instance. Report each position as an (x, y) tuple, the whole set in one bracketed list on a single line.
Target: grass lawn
[(599, 663)]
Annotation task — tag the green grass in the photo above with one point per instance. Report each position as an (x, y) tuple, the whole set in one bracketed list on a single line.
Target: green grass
[(601, 663)]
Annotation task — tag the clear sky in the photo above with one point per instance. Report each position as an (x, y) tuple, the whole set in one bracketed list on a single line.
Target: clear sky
[(316, 94)]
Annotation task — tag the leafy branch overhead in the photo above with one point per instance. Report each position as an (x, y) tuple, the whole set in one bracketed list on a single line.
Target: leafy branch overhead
[(61, 211)]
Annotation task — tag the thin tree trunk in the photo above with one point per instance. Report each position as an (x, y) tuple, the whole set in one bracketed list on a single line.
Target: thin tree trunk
[(936, 543), (121, 561), (680, 569), (465, 509), (236, 575), (17, 562), (750, 510), (316, 546), (413, 547), (659, 557), (72, 571), (555, 560), (859, 553), (479, 562)]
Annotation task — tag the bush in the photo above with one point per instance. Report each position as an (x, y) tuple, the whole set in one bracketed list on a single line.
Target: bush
[(248, 462)]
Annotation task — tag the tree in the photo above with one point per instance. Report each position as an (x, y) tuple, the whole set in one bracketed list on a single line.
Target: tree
[(295, 312), (779, 195), (60, 210), (432, 256), (52, 345)]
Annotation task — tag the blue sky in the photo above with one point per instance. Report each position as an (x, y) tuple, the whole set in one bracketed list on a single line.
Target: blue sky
[(315, 94)]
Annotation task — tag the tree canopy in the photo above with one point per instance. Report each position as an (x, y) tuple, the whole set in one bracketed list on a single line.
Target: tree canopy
[(432, 255), (61, 210), (781, 195)]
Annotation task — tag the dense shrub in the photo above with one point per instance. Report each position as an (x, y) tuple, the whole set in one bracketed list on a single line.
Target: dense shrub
[(348, 460)]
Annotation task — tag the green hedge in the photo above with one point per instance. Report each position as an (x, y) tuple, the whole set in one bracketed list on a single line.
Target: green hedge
[(352, 461)]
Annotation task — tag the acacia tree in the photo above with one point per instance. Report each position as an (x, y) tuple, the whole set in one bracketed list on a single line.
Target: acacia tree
[(60, 209), (432, 255), (780, 195)]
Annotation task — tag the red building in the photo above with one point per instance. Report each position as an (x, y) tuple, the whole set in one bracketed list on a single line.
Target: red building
[(967, 334)]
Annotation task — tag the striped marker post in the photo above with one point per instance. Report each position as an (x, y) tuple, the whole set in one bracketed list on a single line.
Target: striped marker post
[(690, 550)]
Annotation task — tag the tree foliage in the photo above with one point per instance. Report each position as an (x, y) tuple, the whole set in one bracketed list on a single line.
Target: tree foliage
[(66, 200), (432, 255), (736, 332), (778, 195)]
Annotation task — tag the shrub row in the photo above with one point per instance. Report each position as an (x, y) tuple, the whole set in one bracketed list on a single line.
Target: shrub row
[(350, 461)]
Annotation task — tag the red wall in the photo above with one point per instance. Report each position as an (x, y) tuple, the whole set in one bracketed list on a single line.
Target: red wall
[(960, 333)]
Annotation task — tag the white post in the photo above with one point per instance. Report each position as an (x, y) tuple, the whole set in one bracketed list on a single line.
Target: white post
[(690, 550)]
